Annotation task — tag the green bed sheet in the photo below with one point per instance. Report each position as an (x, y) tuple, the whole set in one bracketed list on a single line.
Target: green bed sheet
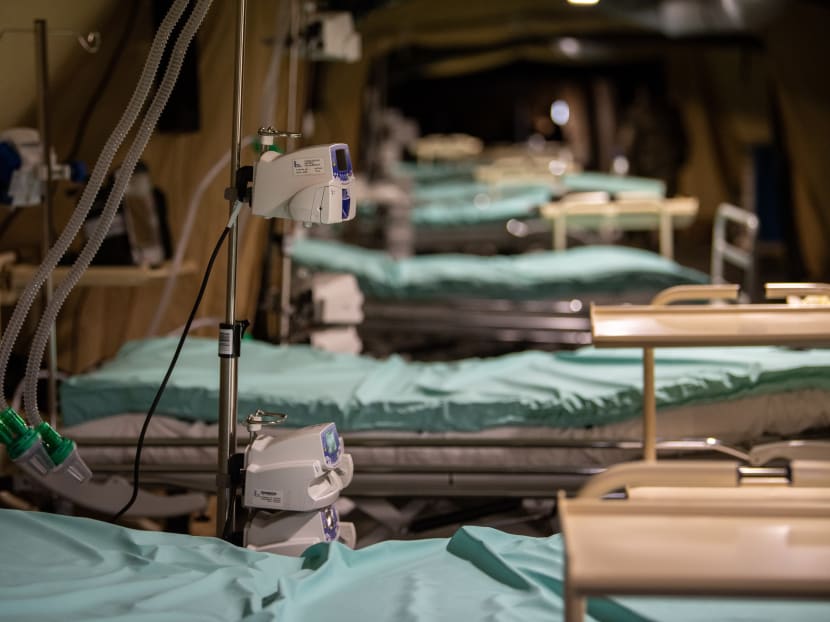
[(577, 272), (468, 190), (75, 569), (612, 184), (426, 176), (466, 203), (459, 202), (480, 207), (435, 172), (587, 387)]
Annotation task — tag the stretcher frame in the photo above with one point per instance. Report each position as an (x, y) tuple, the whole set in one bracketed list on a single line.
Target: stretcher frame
[(623, 214), (764, 536), (782, 549)]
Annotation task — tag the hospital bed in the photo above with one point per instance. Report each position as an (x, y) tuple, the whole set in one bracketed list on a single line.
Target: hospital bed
[(481, 215), (459, 305), (514, 426), (440, 429), (461, 216), (435, 303), (80, 569), (508, 426)]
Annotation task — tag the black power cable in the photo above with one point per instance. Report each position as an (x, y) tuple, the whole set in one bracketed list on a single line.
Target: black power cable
[(160, 392)]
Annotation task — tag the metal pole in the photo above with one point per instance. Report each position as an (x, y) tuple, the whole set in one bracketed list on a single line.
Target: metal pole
[(228, 370), (42, 69), (292, 123), (649, 407)]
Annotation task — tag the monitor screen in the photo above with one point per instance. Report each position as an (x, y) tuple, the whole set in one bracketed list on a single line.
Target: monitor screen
[(342, 161)]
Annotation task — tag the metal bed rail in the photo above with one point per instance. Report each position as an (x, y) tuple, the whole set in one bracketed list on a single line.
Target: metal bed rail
[(740, 255), (392, 479)]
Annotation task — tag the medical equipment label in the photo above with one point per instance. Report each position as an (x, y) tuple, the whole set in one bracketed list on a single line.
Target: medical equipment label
[(226, 342), (269, 496), (308, 166)]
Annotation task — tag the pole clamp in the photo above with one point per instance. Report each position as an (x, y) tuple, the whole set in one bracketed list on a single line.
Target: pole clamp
[(230, 338)]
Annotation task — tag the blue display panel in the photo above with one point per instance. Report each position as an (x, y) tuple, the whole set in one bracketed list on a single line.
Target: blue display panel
[(341, 162), (331, 444), (331, 523)]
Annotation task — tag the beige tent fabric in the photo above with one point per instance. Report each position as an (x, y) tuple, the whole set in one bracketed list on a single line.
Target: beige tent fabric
[(722, 94), (798, 49), (95, 322)]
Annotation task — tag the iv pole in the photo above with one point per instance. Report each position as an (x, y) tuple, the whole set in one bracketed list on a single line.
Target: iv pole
[(228, 367), (42, 68)]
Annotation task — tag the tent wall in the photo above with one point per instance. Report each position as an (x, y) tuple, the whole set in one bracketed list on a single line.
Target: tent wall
[(96, 321), (798, 49)]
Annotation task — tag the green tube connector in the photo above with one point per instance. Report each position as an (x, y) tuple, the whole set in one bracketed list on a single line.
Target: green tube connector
[(56, 445), (259, 147), (15, 434)]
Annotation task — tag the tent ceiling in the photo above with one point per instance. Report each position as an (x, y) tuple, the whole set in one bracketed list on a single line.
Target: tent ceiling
[(398, 23)]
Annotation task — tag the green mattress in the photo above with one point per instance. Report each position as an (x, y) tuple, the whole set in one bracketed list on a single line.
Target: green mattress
[(467, 191), (587, 387), (465, 203), (612, 184), (457, 173), (484, 207), (577, 272), (458, 202), (76, 569), (435, 172)]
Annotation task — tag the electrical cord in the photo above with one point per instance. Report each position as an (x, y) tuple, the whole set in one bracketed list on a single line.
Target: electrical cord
[(179, 346), (227, 533)]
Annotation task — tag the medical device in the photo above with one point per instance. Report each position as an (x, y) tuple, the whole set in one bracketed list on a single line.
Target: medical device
[(41, 451), (330, 36), (291, 533), (312, 185), (300, 475), (303, 471), (22, 172)]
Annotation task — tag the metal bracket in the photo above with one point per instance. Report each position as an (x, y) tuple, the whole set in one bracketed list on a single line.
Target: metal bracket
[(89, 42)]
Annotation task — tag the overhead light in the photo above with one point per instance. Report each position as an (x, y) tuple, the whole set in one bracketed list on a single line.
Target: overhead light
[(583, 2), (560, 112), (569, 46)]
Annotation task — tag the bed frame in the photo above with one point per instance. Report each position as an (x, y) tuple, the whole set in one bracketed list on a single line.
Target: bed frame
[(674, 535)]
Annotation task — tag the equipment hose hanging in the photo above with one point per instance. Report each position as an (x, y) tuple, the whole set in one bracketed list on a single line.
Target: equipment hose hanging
[(102, 165), (143, 135)]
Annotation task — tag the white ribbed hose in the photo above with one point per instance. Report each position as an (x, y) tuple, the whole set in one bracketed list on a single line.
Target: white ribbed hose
[(116, 195), (96, 179)]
